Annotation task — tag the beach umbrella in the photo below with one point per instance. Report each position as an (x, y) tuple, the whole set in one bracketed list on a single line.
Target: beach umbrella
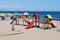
[(25, 13)]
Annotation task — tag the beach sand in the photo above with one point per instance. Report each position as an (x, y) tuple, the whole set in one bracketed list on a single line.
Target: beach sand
[(28, 34)]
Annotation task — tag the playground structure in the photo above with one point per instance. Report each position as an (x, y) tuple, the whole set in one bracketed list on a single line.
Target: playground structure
[(33, 26), (35, 21), (36, 31), (9, 30), (30, 24), (14, 19), (49, 20), (25, 17)]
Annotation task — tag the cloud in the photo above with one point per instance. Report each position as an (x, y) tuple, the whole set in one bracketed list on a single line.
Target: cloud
[(9, 7), (3, 7)]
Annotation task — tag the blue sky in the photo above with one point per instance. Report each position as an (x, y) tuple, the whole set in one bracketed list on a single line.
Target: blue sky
[(30, 5)]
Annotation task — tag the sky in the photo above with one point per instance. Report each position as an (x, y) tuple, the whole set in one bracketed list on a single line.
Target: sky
[(29, 5)]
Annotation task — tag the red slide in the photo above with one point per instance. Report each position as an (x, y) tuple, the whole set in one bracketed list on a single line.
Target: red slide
[(29, 25)]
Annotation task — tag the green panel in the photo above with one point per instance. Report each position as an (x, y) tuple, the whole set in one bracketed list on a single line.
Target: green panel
[(49, 16)]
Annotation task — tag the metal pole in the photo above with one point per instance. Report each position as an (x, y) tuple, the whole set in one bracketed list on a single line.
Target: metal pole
[(16, 19), (13, 27)]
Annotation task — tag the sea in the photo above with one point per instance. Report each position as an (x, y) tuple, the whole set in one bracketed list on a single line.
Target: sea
[(54, 14), (44, 13)]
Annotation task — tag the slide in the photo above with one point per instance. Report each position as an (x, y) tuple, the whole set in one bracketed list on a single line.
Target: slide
[(53, 25), (12, 21), (30, 24)]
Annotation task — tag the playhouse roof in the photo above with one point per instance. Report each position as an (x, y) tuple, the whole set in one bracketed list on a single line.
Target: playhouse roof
[(36, 14), (26, 13), (49, 16)]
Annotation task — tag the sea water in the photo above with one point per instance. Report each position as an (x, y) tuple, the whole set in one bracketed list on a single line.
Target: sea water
[(54, 14)]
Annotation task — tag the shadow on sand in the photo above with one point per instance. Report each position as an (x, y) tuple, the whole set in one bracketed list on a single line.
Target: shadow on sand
[(12, 34)]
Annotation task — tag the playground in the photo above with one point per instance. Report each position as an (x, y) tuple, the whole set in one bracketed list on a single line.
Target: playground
[(27, 34), (33, 30)]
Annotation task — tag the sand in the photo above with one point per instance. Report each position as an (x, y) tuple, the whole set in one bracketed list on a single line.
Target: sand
[(28, 34)]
